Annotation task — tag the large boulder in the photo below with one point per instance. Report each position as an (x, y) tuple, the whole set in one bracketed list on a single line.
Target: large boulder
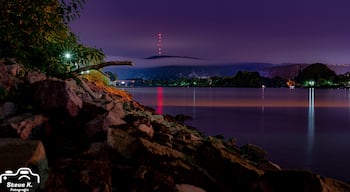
[(122, 142), (101, 106), (16, 70), (228, 167), (79, 175), (101, 123), (35, 76), (301, 181), (253, 152), (147, 129), (28, 126), (187, 188), (159, 167), (18, 153), (267, 165), (8, 109), (5, 79), (54, 95)]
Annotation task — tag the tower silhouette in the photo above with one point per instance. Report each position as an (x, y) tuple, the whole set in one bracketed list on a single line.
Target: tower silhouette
[(159, 45)]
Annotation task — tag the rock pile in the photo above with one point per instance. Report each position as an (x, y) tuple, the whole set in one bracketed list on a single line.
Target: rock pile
[(82, 137)]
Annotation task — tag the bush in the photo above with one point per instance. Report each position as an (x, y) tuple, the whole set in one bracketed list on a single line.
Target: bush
[(97, 77)]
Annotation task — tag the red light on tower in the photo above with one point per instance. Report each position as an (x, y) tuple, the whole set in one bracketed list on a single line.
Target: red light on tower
[(159, 45)]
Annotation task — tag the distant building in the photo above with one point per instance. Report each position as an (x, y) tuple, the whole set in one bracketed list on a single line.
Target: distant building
[(124, 83)]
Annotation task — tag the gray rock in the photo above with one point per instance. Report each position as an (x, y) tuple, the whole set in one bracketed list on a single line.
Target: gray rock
[(228, 168), (164, 138), (147, 129), (56, 95), (16, 70), (187, 188), (17, 153), (8, 109), (80, 175), (268, 165), (95, 149), (253, 152), (102, 123), (118, 109), (25, 124), (35, 76), (303, 181), (6, 81), (121, 142)]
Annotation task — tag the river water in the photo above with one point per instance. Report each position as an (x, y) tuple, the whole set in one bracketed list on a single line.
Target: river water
[(299, 128)]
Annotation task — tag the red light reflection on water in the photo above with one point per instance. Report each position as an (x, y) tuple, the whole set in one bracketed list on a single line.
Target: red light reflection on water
[(159, 100)]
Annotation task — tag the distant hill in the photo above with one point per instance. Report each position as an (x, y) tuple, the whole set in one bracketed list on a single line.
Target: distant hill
[(183, 71), (174, 72), (340, 68), (288, 71)]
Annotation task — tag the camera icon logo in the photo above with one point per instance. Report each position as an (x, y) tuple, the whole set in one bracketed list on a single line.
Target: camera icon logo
[(22, 180)]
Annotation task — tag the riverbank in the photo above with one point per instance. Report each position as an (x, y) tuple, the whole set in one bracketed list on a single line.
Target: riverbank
[(80, 136)]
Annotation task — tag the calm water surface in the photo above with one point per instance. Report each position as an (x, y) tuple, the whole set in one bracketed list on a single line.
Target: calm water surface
[(299, 128)]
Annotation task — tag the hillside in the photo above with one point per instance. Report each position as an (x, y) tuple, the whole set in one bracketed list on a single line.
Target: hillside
[(194, 71), (182, 71)]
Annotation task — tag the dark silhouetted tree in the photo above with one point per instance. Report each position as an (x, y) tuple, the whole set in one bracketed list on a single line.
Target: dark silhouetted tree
[(318, 72), (247, 79)]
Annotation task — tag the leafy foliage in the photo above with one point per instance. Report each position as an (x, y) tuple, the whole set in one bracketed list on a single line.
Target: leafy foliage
[(36, 33), (71, 9), (247, 79), (97, 77), (318, 72), (241, 79), (112, 76), (344, 79)]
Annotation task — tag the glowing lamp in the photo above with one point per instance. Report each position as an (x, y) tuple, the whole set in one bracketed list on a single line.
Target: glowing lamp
[(68, 55), (311, 83)]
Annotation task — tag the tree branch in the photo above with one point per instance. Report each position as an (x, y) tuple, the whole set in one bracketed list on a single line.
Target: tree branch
[(99, 66)]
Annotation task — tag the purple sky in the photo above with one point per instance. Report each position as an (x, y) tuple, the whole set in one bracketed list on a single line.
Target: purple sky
[(275, 31)]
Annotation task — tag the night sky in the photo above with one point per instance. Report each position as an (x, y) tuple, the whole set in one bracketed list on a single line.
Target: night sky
[(274, 31)]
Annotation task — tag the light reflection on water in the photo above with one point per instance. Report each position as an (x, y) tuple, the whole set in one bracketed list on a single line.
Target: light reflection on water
[(311, 127), (299, 128), (263, 97), (159, 100)]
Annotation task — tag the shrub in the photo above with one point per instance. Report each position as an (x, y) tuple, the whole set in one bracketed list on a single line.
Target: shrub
[(97, 77)]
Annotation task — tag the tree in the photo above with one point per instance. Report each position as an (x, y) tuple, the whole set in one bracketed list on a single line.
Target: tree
[(111, 76), (247, 79), (37, 34), (319, 73)]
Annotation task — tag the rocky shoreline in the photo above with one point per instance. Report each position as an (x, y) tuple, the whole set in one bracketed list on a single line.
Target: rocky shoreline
[(79, 136)]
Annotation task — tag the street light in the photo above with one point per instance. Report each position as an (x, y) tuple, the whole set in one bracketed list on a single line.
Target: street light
[(68, 55), (68, 58), (312, 83)]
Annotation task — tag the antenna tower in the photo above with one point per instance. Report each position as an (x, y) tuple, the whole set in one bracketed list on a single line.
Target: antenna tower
[(159, 45)]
